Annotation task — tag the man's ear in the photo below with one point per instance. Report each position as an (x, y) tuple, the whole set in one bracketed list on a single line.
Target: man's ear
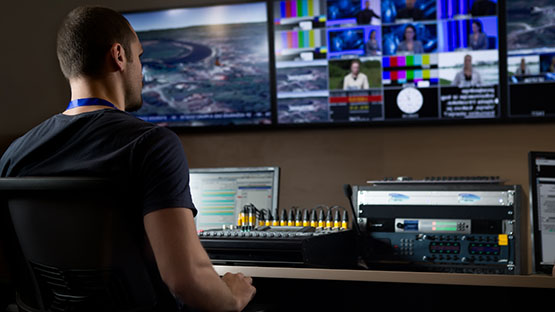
[(117, 56)]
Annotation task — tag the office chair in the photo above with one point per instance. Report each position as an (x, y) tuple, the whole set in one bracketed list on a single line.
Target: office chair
[(75, 246)]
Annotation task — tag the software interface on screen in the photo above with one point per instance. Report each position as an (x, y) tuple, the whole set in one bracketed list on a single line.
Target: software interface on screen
[(220, 194), (531, 57), (205, 66), (358, 60), (544, 176)]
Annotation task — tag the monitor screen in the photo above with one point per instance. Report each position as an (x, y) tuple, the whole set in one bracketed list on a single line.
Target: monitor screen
[(353, 61), (542, 209), (205, 66), (530, 57), (220, 194)]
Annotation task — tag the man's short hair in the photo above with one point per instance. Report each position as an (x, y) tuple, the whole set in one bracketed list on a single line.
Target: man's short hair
[(86, 35)]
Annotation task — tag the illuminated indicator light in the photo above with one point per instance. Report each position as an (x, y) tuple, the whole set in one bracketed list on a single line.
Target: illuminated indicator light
[(434, 223), (433, 228), (503, 240)]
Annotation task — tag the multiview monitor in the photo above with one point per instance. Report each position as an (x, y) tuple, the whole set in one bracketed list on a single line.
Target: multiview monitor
[(542, 209), (355, 61), (220, 194), (205, 66), (531, 57)]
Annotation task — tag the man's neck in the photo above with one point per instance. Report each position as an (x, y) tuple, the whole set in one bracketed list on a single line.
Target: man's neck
[(104, 89)]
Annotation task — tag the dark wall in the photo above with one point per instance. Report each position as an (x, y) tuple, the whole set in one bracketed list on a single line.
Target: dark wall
[(314, 162)]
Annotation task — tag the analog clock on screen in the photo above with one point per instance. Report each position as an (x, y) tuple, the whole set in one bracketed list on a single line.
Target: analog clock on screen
[(410, 100)]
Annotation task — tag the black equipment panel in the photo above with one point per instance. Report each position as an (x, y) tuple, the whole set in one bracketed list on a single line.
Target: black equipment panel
[(440, 228)]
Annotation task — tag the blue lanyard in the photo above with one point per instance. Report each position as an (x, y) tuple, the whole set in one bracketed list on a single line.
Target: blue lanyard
[(89, 102)]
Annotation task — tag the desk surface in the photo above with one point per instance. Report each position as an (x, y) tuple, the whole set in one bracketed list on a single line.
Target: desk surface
[(528, 281)]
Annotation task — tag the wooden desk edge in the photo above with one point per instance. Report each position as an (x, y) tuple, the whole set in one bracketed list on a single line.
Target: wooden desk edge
[(527, 281)]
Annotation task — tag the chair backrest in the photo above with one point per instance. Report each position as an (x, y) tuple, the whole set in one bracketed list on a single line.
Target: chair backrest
[(81, 245)]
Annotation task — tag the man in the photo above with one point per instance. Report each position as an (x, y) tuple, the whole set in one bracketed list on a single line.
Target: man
[(355, 80), (365, 16), (410, 11), (99, 54)]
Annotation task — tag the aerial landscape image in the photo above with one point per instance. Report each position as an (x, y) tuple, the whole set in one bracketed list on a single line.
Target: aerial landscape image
[(205, 66), (531, 24)]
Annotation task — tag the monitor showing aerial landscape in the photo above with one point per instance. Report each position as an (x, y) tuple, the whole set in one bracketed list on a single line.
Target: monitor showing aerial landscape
[(205, 66)]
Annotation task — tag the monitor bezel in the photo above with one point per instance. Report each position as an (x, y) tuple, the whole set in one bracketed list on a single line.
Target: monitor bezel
[(537, 265)]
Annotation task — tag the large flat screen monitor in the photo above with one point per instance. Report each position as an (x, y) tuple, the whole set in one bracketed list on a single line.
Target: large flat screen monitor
[(205, 66), (357, 61), (542, 209), (531, 57), (220, 194)]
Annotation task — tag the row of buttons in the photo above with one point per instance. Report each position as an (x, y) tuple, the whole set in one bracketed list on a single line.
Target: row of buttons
[(251, 234)]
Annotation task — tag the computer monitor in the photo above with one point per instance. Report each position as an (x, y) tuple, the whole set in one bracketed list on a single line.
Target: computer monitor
[(542, 209), (206, 65), (371, 61), (220, 194)]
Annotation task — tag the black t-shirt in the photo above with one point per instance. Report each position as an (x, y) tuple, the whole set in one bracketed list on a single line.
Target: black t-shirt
[(110, 143), (106, 143)]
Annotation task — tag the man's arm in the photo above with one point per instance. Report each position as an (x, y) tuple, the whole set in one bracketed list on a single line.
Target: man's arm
[(186, 268)]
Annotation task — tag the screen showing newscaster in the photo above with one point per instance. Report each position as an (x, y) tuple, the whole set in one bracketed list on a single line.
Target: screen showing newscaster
[(348, 61), (531, 57)]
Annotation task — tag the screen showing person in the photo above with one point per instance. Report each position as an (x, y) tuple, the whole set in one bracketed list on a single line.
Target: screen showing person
[(372, 44), (469, 69), (467, 76), (355, 74), (369, 13), (355, 80), (477, 40), (408, 10), (468, 34), (415, 38), (410, 44)]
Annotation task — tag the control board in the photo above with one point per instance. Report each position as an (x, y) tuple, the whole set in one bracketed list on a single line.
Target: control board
[(281, 245), (441, 228)]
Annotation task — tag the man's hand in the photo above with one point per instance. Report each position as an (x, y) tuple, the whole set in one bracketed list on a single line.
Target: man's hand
[(241, 288)]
